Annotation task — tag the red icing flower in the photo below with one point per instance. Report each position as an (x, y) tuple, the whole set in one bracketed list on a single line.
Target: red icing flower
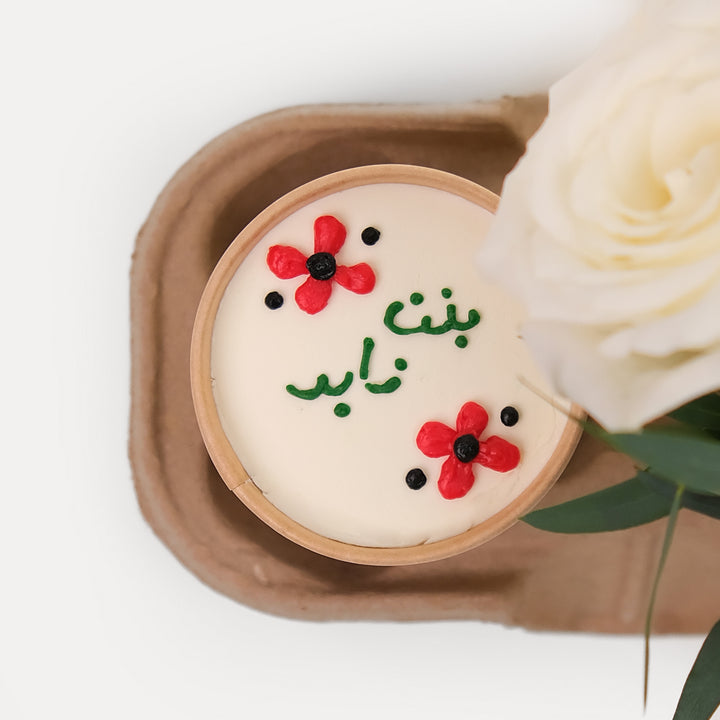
[(463, 448), (313, 295)]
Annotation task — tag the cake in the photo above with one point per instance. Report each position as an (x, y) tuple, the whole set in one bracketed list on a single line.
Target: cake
[(359, 386)]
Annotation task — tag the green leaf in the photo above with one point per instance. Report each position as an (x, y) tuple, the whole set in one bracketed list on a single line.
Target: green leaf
[(686, 457), (701, 694), (622, 506), (669, 531), (703, 413), (704, 504)]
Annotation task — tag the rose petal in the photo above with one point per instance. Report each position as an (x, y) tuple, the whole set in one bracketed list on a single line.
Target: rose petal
[(625, 393), (313, 295), (436, 439), (329, 234), (690, 329), (456, 478), (691, 13), (498, 454), (357, 278), (472, 419), (681, 129), (286, 262)]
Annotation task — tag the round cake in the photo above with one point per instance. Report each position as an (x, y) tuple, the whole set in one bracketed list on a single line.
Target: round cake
[(357, 383)]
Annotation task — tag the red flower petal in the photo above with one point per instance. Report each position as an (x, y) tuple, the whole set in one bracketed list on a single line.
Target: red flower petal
[(456, 478), (498, 454), (357, 278), (472, 419), (436, 439), (286, 262), (313, 295), (329, 234)]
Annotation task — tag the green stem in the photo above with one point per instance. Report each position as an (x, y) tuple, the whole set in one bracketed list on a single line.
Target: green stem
[(669, 531)]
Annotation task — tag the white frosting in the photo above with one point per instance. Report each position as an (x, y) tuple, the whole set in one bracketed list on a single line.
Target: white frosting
[(344, 478)]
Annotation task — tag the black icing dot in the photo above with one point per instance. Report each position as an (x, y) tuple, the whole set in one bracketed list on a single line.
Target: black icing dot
[(509, 416), (274, 300), (466, 448), (415, 479), (370, 235), (321, 266)]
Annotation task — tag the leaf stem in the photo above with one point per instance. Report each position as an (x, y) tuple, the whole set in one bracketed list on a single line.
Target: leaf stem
[(669, 531)]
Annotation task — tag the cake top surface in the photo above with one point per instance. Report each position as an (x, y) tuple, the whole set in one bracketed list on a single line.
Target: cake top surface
[(373, 387)]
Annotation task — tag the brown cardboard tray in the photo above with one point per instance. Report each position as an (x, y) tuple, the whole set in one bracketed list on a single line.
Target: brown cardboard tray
[(523, 577)]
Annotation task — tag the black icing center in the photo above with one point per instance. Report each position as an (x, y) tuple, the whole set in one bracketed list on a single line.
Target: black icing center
[(321, 266), (415, 479), (509, 416), (466, 448)]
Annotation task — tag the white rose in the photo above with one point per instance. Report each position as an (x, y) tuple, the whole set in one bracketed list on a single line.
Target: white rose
[(609, 227)]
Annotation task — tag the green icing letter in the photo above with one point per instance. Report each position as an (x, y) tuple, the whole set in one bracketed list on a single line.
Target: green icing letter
[(368, 345), (389, 386), (426, 326), (342, 410), (322, 387)]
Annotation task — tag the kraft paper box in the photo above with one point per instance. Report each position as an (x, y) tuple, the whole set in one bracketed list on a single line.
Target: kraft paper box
[(523, 577)]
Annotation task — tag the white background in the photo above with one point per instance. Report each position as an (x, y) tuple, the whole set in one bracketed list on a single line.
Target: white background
[(101, 103)]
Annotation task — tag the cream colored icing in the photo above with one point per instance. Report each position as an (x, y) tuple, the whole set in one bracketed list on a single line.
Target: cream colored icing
[(344, 478)]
